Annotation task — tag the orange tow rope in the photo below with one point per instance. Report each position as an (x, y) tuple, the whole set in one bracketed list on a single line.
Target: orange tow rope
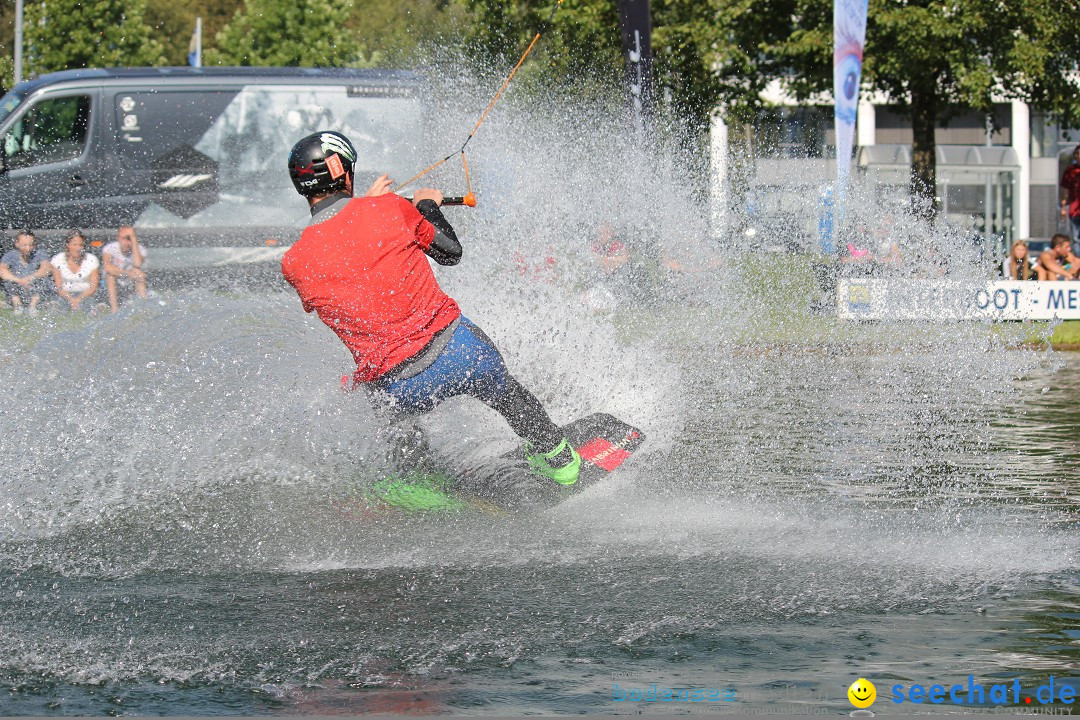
[(483, 116)]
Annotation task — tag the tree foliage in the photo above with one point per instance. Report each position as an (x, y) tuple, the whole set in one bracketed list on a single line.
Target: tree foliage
[(580, 50), (706, 53), (400, 34), (286, 33), (65, 34), (174, 23)]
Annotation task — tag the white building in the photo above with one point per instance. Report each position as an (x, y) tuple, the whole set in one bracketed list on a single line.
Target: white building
[(1000, 173)]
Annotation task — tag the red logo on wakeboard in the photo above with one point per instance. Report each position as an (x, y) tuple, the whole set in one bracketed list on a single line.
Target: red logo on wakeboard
[(603, 454)]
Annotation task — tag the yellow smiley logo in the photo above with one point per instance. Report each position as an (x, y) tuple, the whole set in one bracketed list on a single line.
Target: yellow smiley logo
[(862, 693)]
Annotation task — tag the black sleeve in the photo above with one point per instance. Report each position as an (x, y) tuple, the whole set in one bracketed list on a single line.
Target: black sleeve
[(445, 248)]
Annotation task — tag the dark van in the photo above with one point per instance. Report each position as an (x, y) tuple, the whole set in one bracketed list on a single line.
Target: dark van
[(194, 158)]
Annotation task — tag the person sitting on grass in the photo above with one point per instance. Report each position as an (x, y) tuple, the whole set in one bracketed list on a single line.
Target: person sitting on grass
[(1058, 262), (23, 271), (1017, 266), (77, 273), (123, 259)]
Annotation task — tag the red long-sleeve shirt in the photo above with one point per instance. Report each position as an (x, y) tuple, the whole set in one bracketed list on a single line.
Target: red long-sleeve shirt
[(365, 273)]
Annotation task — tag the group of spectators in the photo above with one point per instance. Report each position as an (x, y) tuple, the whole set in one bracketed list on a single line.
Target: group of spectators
[(1057, 262), (73, 277)]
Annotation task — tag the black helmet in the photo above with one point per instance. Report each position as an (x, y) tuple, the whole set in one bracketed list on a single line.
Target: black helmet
[(322, 163)]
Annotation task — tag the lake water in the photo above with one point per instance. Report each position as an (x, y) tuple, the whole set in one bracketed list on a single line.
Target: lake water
[(901, 505)]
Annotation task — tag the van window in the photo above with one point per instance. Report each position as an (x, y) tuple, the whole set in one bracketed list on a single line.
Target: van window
[(242, 141), (8, 104), (52, 130), (254, 134), (153, 125)]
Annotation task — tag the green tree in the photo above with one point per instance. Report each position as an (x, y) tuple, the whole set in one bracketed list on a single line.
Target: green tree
[(7, 44), (706, 53), (215, 15), (935, 58), (305, 33), (398, 34), (711, 54), (501, 28), (173, 24), (67, 34), (580, 51)]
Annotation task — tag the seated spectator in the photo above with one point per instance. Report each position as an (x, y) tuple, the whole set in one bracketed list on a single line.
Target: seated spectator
[(611, 284), (123, 259), (686, 252), (23, 271), (611, 253), (887, 251), (1058, 263), (1018, 266), (77, 273)]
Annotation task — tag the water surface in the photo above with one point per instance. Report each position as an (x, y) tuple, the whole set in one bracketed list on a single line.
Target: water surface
[(173, 537)]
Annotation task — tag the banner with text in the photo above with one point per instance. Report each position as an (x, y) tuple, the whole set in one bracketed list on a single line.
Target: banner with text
[(953, 300)]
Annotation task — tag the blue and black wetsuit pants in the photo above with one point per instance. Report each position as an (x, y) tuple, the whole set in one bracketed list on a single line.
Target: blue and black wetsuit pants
[(470, 364)]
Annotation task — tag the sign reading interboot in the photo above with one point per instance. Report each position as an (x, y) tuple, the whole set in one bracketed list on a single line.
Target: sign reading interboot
[(954, 300)]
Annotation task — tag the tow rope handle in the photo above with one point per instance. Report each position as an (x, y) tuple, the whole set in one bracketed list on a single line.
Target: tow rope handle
[(469, 199)]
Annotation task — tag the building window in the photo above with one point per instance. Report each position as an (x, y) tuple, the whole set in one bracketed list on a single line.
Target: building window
[(795, 132), (1043, 136)]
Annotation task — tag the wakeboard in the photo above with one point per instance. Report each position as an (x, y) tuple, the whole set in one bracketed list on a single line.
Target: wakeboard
[(504, 483)]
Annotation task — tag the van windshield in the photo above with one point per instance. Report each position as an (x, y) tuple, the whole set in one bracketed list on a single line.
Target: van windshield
[(238, 142), (8, 103)]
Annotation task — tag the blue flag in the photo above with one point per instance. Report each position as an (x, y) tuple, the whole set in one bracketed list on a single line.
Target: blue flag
[(194, 57)]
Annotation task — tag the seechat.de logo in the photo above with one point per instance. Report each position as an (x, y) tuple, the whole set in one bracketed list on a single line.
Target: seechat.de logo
[(862, 693)]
